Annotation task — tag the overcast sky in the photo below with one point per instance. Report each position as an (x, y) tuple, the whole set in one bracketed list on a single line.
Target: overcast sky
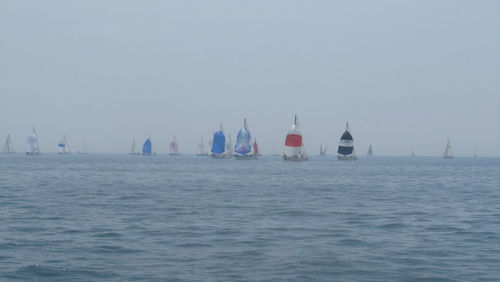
[(403, 73)]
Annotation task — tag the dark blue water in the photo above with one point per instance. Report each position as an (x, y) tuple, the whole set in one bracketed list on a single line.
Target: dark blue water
[(120, 217)]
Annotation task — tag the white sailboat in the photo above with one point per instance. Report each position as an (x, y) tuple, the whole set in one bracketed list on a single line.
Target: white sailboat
[(32, 146), (448, 154), (84, 151), (322, 150), (229, 147), (7, 147), (174, 148), (63, 146), (294, 148), (201, 149), (133, 150)]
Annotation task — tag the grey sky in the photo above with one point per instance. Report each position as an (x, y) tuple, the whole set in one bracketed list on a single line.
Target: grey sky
[(403, 73)]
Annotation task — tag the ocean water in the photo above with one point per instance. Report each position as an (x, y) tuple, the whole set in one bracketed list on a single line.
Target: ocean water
[(189, 218)]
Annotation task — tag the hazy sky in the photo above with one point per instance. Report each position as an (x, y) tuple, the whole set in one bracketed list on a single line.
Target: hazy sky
[(403, 73)]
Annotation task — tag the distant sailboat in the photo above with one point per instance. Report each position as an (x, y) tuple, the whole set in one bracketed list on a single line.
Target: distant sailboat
[(7, 147), (219, 143), (413, 154), (32, 146), (322, 150), (147, 148), (63, 146), (448, 154), (84, 151), (229, 147), (174, 148), (201, 149), (370, 151), (133, 150), (243, 147), (256, 150), (475, 153), (346, 146), (294, 148)]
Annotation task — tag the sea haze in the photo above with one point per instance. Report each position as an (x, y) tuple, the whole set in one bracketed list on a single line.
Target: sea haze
[(124, 218)]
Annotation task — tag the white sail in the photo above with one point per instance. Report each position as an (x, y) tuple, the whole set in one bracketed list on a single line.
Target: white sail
[(7, 147), (133, 149), (32, 146), (201, 148), (229, 146), (447, 151)]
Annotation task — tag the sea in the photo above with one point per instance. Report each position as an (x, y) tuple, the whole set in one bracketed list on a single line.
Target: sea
[(112, 217)]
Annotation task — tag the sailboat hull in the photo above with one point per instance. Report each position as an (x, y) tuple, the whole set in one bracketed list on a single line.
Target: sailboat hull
[(346, 158), (295, 158), (221, 156), (246, 157)]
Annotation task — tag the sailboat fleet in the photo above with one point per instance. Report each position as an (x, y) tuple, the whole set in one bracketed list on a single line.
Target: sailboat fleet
[(221, 147)]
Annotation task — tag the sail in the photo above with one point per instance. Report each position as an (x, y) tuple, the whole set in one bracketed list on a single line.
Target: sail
[(447, 151), (346, 145), (133, 150), (201, 147), (243, 140), (256, 148), (147, 147), (229, 146), (370, 151), (7, 147), (173, 146), (293, 141), (32, 146), (219, 142)]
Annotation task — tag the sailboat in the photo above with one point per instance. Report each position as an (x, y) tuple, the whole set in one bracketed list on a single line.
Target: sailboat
[(370, 151), (294, 148), (243, 147), (32, 146), (133, 150), (63, 146), (322, 150), (7, 147), (256, 151), (448, 154), (475, 153), (174, 148), (147, 147), (84, 151), (229, 147), (346, 146), (219, 144), (201, 149)]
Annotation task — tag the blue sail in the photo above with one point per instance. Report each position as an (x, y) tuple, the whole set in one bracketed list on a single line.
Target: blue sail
[(219, 143), (243, 142), (146, 148)]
